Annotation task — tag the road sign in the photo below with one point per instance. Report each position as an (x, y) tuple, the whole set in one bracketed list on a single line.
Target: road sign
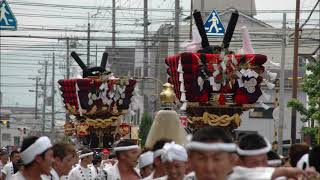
[(7, 19), (213, 25)]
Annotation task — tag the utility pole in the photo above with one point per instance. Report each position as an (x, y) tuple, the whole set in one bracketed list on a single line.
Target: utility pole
[(176, 26), (96, 55), (88, 43), (295, 73), (113, 24), (282, 93), (68, 58), (44, 98), (191, 9), (145, 52), (52, 98), (36, 103)]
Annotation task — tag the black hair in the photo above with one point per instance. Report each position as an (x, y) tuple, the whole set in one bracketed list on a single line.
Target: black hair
[(273, 155), (123, 143), (252, 142), (160, 143), (296, 151), (85, 151), (212, 134), (112, 155), (27, 142), (96, 159), (13, 153), (314, 158)]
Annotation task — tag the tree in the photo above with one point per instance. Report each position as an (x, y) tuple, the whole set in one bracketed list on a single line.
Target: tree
[(144, 128), (310, 85)]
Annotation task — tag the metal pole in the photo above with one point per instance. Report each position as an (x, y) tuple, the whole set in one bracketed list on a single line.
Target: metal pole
[(282, 93), (191, 9), (176, 26), (44, 98), (88, 46), (113, 24), (36, 103), (96, 55), (68, 58), (52, 96), (145, 51), (295, 73)]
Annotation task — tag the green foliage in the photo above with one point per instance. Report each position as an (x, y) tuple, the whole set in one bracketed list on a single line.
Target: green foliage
[(310, 85), (144, 128)]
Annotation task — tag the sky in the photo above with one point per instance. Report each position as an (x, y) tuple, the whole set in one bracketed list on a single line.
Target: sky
[(18, 65)]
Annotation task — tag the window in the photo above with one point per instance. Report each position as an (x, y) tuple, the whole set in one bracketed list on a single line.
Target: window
[(6, 137), (16, 140)]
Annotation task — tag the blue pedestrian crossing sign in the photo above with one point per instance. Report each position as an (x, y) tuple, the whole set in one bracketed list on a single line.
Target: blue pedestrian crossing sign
[(213, 25), (7, 19)]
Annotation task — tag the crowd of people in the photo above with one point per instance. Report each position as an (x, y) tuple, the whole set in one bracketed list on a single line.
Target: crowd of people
[(209, 154)]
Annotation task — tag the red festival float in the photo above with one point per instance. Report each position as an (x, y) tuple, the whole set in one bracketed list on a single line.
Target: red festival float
[(97, 101)]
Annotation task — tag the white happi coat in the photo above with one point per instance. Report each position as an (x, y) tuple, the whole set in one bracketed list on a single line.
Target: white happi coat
[(81, 173), (113, 173), (53, 175), (259, 173), (8, 170)]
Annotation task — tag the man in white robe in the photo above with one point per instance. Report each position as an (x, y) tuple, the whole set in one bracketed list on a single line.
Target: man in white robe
[(175, 159), (37, 157), (11, 168), (84, 170), (145, 163), (64, 158), (127, 153)]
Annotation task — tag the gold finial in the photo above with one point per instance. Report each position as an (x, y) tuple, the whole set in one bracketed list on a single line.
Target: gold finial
[(167, 96)]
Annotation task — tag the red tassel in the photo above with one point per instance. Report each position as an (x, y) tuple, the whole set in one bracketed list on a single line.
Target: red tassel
[(222, 100)]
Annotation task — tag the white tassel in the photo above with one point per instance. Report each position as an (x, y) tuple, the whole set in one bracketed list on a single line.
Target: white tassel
[(182, 88), (223, 65), (264, 106), (184, 106), (183, 97), (211, 80), (215, 86), (266, 97), (238, 74), (246, 43), (270, 85), (272, 75), (200, 83), (274, 63), (240, 83), (243, 72), (181, 79), (215, 74), (78, 100), (179, 66), (234, 60)]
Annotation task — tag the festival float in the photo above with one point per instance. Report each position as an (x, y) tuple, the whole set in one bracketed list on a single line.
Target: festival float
[(215, 85), (97, 102)]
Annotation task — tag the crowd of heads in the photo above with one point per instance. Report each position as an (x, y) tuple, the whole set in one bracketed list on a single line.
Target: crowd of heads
[(210, 153)]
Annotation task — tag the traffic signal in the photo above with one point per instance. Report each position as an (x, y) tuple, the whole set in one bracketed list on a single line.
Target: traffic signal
[(5, 123)]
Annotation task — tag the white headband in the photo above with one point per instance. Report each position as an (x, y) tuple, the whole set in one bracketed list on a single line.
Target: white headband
[(228, 147), (157, 153), (145, 159), (85, 155), (125, 148), (172, 151), (255, 152), (38, 147), (275, 162)]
